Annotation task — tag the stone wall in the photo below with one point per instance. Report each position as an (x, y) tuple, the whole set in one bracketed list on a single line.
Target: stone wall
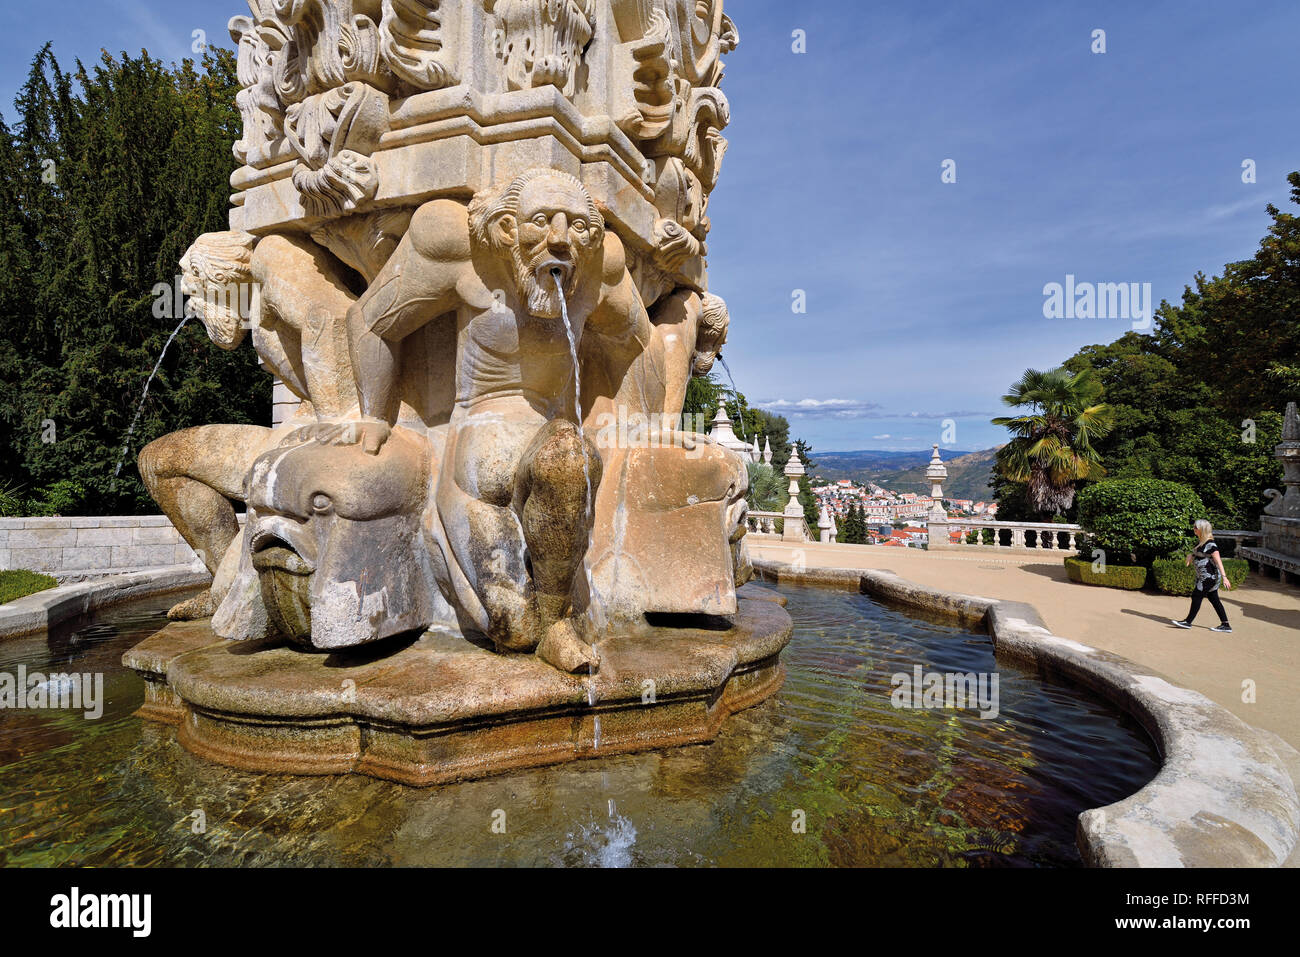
[(78, 548), (283, 403), (1282, 535)]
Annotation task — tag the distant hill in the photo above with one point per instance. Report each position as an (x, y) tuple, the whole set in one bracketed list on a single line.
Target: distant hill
[(867, 465), (968, 472)]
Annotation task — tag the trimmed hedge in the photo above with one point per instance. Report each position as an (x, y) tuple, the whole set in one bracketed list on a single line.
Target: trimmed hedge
[(1128, 577), (19, 584), (1173, 577), (1145, 518)]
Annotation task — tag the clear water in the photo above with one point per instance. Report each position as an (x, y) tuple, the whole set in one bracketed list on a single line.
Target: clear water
[(875, 785), (586, 475), (740, 434), (126, 445)]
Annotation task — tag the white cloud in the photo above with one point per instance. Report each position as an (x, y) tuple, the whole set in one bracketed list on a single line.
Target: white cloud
[(821, 408), (855, 409)]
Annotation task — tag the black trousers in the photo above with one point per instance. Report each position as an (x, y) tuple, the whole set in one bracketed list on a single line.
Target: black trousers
[(1213, 595)]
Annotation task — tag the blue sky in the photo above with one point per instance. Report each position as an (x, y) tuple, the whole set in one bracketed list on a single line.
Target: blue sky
[(925, 298)]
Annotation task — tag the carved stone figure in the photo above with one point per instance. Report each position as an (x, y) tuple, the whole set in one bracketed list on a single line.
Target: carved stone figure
[(540, 42), (1275, 504), (334, 132), (414, 39), (520, 272), (464, 289), (297, 304), (470, 237), (259, 40), (325, 523)]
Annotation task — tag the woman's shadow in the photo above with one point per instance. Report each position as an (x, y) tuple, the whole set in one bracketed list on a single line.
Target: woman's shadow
[(1166, 620)]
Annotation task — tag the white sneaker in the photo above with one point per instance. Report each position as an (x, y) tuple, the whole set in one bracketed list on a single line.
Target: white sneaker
[(1181, 624)]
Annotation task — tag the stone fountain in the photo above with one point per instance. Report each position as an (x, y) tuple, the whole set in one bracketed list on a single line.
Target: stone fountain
[(471, 236)]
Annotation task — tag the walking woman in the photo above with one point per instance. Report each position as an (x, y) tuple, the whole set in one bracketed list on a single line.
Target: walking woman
[(1209, 573)]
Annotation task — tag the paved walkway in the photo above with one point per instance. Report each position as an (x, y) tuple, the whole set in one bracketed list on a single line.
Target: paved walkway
[(1264, 648)]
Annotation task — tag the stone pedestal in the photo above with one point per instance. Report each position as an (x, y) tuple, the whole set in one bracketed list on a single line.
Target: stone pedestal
[(442, 709), (1280, 524), (937, 521), (937, 531)]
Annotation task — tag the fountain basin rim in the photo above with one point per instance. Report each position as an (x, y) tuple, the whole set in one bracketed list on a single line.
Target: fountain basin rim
[(1224, 795), (48, 609)]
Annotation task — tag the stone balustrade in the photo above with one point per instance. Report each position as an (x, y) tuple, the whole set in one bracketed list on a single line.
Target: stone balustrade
[(1047, 536), (764, 523)]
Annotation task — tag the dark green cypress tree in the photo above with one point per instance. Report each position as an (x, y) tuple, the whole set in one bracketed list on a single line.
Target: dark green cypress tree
[(141, 161)]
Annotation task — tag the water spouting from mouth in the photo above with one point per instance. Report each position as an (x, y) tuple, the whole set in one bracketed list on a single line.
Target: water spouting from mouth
[(126, 445), (557, 276), (734, 390)]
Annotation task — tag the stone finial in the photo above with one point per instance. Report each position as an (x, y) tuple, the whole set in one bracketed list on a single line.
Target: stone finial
[(936, 473), (767, 451), (723, 432), (825, 526), (794, 467), (795, 524), (1291, 425)]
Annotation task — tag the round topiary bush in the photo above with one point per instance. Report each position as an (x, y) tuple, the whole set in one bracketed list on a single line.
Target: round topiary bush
[(1173, 577), (1144, 518)]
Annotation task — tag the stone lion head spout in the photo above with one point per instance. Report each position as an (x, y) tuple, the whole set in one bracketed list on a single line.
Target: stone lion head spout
[(548, 226), (336, 554)]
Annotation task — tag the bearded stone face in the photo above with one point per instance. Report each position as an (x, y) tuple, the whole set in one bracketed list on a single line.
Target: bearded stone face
[(216, 279), (712, 336), (557, 240)]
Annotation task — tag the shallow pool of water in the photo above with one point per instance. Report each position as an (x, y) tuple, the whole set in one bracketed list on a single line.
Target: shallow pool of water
[(828, 772)]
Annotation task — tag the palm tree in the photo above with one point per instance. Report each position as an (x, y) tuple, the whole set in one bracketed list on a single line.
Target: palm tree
[(767, 489), (1052, 445)]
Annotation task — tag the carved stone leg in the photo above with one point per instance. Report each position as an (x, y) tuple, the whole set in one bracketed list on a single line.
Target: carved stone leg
[(195, 475), (551, 500)]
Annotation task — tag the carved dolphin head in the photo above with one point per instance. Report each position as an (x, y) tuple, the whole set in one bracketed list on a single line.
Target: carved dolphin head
[(336, 553)]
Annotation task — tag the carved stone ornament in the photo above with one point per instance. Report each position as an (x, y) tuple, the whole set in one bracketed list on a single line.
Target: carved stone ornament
[(540, 42)]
